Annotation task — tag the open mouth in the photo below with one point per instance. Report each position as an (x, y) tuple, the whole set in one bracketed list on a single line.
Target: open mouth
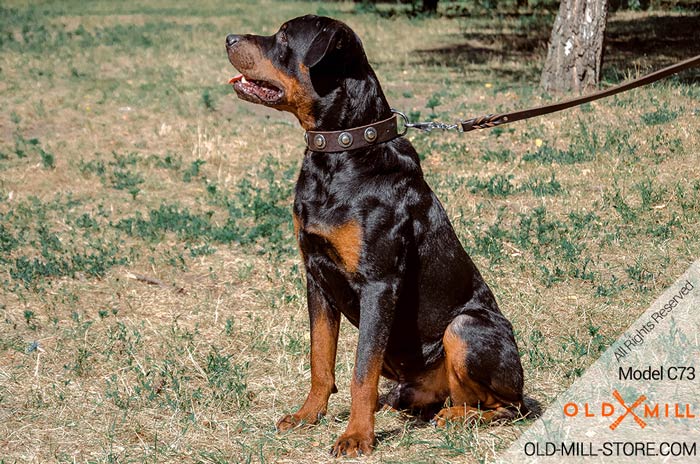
[(256, 91)]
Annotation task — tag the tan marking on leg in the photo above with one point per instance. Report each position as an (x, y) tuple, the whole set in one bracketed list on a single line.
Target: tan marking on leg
[(429, 388), (472, 402), (324, 341), (462, 390), (433, 387), (358, 438)]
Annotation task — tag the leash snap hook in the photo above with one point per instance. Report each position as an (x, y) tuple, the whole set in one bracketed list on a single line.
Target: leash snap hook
[(427, 126), (431, 125)]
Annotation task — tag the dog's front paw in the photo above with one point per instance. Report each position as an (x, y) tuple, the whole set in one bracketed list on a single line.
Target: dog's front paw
[(353, 445)]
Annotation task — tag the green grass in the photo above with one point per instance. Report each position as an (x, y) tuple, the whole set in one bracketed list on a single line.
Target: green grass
[(126, 159)]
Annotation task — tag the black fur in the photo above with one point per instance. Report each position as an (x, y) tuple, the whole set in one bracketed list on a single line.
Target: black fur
[(414, 278)]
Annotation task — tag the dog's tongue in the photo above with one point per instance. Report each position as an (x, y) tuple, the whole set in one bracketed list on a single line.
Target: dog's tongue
[(235, 79)]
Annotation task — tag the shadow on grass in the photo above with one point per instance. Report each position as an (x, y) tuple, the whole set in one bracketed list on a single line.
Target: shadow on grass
[(652, 42), (424, 418), (655, 42), (525, 42), (388, 435)]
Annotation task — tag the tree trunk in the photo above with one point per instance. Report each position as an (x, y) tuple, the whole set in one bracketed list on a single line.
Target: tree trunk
[(576, 46), (430, 6)]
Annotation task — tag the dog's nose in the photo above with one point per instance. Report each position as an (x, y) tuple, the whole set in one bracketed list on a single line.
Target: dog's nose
[(232, 39)]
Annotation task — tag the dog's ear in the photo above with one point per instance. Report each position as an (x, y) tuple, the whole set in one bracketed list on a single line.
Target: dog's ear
[(329, 39)]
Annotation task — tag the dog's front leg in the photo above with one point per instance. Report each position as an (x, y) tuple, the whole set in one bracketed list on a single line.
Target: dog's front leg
[(377, 305), (325, 322)]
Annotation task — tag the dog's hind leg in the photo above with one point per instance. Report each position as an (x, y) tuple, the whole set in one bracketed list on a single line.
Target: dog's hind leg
[(483, 369)]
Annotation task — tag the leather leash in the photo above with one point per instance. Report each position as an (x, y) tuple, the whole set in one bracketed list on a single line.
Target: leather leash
[(491, 120), (387, 129)]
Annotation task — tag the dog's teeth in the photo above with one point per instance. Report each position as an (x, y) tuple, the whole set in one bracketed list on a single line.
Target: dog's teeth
[(243, 80)]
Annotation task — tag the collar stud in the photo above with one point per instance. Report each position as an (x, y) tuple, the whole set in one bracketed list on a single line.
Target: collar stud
[(353, 138), (319, 141), (345, 139), (370, 134)]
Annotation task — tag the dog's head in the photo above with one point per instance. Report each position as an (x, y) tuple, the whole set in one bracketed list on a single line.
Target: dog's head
[(296, 68)]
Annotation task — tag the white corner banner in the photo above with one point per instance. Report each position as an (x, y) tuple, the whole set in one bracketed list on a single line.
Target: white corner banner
[(639, 402)]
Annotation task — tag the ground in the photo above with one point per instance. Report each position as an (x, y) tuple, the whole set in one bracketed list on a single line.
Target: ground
[(126, 159)]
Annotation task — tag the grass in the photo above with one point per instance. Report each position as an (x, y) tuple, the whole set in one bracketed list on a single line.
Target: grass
[(124, 153)]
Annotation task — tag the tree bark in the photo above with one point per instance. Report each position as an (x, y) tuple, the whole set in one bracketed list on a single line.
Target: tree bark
[(576, 46), (430, 6)]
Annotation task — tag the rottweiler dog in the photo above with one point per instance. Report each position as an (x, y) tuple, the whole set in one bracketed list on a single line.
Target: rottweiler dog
[(377, 248)]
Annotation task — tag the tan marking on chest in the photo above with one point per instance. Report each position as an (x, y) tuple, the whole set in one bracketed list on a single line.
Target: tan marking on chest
[(295, 222), (346, 239)]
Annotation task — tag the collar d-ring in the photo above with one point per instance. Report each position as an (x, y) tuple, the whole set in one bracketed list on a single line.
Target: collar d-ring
[(406, 122)]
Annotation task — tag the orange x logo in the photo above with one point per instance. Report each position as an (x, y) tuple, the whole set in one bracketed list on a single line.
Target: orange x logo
[(628, 410)]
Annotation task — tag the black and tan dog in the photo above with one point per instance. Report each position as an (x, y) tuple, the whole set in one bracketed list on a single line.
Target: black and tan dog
[(377, 247)]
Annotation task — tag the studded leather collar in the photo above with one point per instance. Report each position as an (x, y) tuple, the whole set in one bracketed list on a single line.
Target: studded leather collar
[(354, 138)]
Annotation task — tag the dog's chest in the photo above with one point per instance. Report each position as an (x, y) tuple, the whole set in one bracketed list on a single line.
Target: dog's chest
[(332, 247), (326, 225), (341, 243)]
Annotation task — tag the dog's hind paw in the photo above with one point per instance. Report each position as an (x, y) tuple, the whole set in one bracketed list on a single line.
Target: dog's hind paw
[(289, 422)]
